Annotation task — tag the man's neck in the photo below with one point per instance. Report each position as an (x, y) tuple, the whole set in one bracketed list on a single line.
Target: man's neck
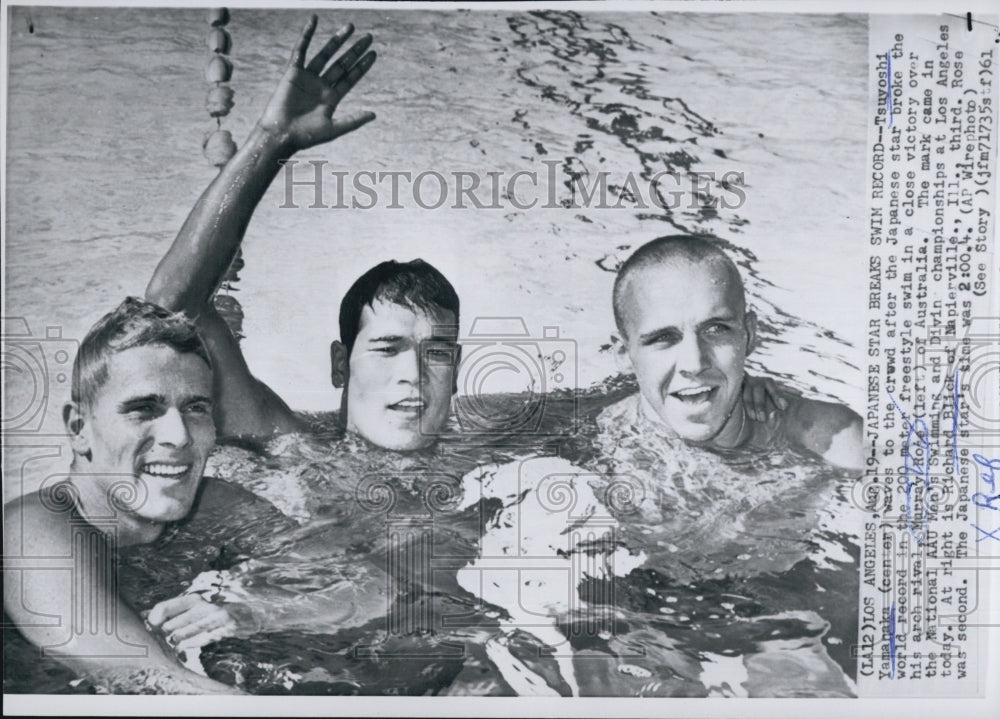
[(736, 430), (95, 505)]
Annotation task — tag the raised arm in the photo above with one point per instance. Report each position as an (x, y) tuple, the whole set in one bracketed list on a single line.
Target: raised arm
[(299, 115), (74, 616)]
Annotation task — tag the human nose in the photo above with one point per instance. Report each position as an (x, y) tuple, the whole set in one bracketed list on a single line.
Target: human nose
[(172, 429), (407, 366), (691, 355)]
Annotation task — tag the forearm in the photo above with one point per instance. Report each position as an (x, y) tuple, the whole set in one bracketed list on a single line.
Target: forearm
[(195, 264), (313, 612), (145, 677)]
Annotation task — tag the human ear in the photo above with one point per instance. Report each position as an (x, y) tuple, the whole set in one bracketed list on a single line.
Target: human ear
[(622, 358), (338, 364), (76, 427), (750, 322), (455, 366)]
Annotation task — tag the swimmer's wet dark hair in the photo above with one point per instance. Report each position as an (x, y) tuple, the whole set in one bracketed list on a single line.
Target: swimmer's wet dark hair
[(134, 323), (665, 249), (415, 284)]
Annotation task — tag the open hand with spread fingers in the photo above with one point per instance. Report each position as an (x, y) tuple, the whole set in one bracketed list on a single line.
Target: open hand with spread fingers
[(301, 111)]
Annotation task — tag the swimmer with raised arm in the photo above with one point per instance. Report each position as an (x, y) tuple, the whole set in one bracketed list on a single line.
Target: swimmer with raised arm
[(389, 316), (391, 398), (680, 308)]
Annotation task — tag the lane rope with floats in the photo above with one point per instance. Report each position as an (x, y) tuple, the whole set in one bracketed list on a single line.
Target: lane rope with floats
[(219, 147)]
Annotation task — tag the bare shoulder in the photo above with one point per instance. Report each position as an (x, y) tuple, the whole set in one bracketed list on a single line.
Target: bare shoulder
[(37, 532), (37, 524), (829, 430)]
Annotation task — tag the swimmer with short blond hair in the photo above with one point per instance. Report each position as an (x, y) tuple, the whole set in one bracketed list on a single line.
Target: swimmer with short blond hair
[(140, 424), (681, 312)]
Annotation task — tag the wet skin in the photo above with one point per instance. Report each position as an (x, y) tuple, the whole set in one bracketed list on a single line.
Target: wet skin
[(148, 435), (401, 376), (687, 338)]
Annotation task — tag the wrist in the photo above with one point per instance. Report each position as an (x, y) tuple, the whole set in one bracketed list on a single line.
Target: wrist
[(275, 143)]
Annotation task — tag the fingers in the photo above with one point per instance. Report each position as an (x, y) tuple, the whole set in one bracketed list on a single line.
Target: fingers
[(762, 398), (299, 52), (346, 61), (356, 73), (172, 607), (200, 640), (194, 614), (773, 394), (757, 402), (352, 122), (317, 64), (197, 624)]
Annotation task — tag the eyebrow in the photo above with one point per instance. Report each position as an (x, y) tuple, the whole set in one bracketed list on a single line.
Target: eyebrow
[(385, 338), (720, 318), (127, 404), (647, 337)]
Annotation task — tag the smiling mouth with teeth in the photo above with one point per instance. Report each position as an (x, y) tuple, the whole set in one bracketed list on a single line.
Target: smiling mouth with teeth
[(170, 471), (694, 396)]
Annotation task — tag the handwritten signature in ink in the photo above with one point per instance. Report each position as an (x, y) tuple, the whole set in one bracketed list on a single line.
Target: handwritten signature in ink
[(987, 475), (987, 472), (916, 470)]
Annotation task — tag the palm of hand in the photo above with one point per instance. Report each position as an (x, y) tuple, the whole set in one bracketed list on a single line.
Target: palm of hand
[(302, 109)]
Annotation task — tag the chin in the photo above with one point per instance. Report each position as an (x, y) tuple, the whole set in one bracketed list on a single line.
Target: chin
[(394, 439), (407, 443), (164, 514), (694, 432), (700, 436)]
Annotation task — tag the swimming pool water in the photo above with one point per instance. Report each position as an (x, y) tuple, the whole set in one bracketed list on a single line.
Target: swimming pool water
[(523, 585), (621, 91)]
